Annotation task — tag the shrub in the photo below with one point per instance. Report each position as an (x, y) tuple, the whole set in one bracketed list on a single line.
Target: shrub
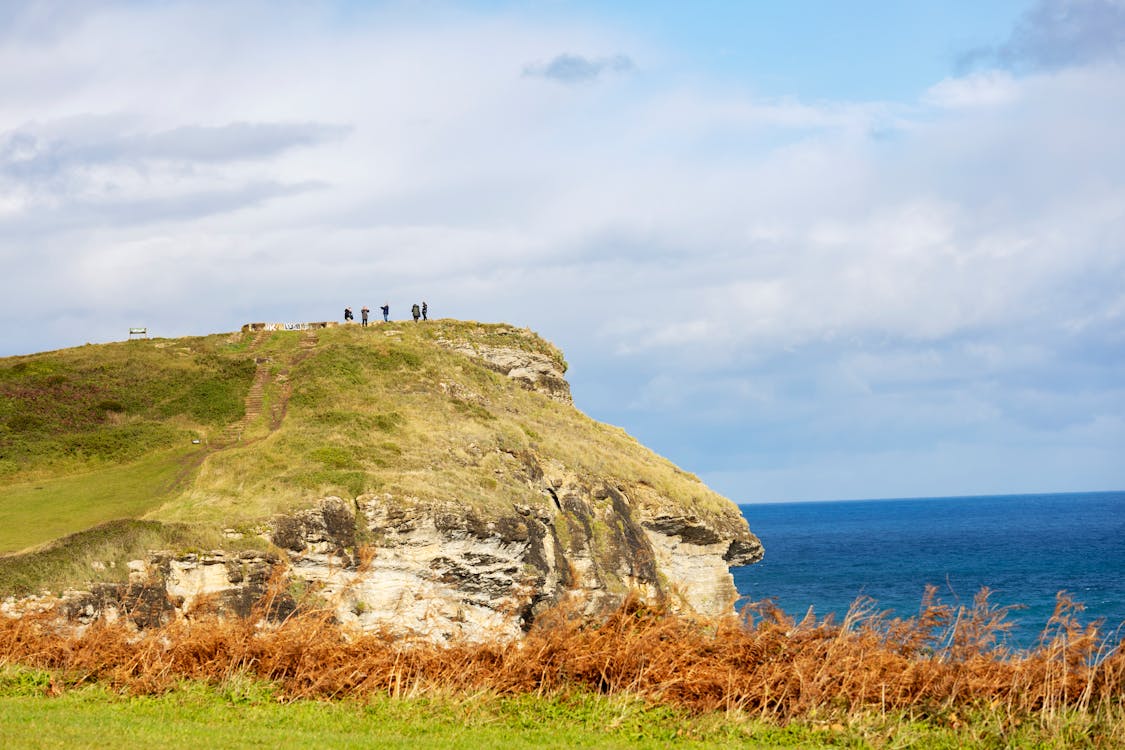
[(333, 456), (388, 422), (110, 405), (122, 442)]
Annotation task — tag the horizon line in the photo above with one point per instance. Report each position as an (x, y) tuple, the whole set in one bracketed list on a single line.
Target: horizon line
[(930, 497)]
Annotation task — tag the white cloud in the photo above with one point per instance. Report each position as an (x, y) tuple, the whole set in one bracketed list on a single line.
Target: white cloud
[(990, 88), (200, 167)]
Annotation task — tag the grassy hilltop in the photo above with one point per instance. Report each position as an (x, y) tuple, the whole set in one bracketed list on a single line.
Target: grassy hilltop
[(168, 442)]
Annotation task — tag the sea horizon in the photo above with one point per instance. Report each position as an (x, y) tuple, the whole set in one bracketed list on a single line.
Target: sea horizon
[(893, 498), (1025, 548)]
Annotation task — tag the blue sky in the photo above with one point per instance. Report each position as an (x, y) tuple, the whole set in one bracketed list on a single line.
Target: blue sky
[(807, 250), (818, 49)]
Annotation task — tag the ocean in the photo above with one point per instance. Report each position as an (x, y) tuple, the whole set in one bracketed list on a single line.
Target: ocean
[(1025, 548)]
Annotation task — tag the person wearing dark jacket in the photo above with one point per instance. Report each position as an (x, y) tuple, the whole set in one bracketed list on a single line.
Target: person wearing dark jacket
[(386, 308), (348, 316), (416, 312), (425, 311)]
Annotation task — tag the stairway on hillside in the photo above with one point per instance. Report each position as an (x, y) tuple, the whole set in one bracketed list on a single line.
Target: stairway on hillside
[(232, 433), (259, 337)]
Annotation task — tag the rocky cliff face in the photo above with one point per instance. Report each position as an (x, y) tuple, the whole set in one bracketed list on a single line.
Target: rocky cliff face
[(439, 572), (433, 570), (564, 509)]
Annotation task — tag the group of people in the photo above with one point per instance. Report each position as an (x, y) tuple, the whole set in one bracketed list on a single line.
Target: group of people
[(419, 313)]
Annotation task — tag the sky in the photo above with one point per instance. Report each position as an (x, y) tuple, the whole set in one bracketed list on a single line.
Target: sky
[(807, 250)]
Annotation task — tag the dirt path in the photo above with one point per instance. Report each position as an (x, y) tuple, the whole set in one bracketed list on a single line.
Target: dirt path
[(232, 433)]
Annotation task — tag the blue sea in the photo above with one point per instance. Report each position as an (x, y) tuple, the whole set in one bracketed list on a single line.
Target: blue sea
[(1025, 548)]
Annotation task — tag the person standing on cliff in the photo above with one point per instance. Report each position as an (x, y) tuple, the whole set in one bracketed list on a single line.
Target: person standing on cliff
[(425, 310), (348, 316), (416, 312), (363, 314), (386, 308)]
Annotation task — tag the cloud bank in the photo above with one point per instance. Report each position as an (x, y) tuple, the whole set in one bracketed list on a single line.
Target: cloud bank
[(796, 299), (1055, 34)]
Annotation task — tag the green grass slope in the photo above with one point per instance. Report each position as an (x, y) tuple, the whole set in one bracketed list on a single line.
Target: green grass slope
[(90, 407), (102, 433), (32, 513)]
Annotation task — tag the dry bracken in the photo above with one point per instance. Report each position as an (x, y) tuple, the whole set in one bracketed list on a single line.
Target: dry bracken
[(763, 663)]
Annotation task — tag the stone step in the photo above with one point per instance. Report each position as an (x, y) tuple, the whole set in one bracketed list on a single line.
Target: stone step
[(255, 396)]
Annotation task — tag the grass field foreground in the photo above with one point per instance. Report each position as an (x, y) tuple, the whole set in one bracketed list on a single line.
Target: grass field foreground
[(37, 710)]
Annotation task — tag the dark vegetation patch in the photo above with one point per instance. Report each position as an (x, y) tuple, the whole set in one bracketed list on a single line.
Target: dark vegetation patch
[(345, 482), (118, 444), (112, 402), (389, 421), (308, 395), (216, 396), (335, 418), (385, 454), (110, 405), (101, 443), (355, 422), (334, 456), (469, 409), (397, 358), (342, 366)]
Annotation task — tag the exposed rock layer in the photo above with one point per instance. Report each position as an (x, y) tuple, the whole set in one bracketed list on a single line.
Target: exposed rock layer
[(433, 570), (532, 370)]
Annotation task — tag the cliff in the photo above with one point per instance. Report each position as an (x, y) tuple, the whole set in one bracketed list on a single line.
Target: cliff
[(433, 479)]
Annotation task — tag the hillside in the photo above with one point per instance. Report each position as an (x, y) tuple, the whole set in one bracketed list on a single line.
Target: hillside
[(264, 440)]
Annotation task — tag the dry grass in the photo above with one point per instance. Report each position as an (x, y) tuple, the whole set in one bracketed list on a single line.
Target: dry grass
[(943, 664), (384, 405)]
